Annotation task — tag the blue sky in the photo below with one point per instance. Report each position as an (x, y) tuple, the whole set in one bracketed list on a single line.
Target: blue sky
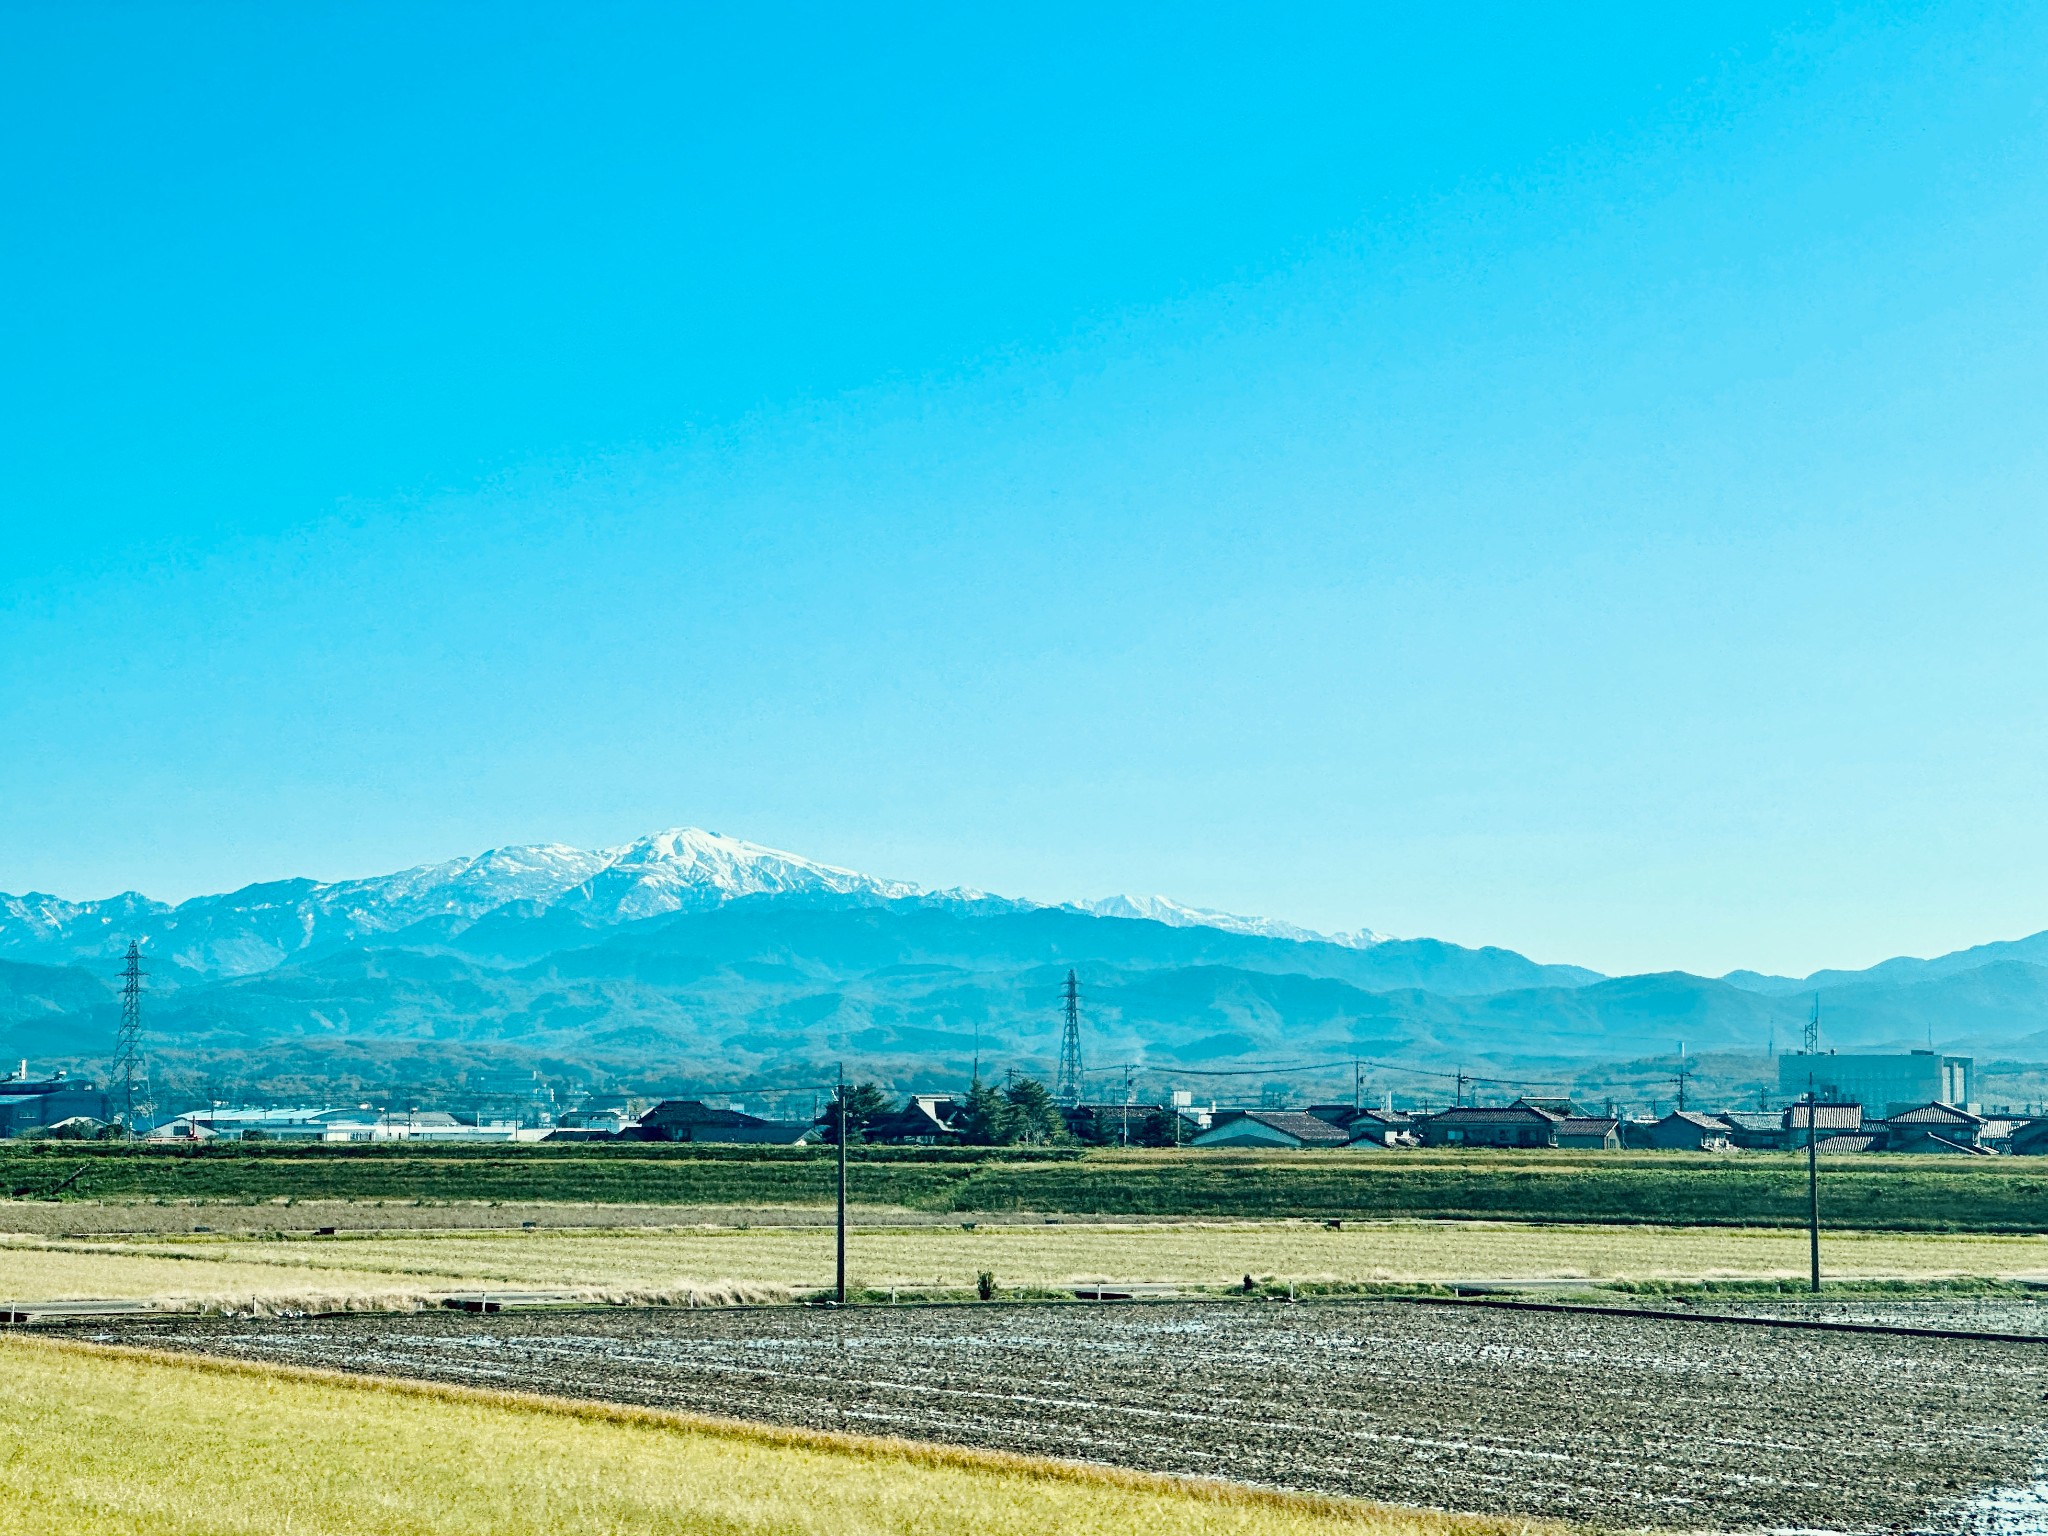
[(1571, 482)]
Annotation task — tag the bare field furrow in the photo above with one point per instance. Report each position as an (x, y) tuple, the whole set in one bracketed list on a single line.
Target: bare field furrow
[(1613, 1420)]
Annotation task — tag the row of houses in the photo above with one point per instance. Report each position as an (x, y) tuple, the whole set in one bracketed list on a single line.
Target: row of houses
[(1529, 1123), (1838, 1128), (1525, 1123), (1558, 1123), (924, 1119), (940, 1119)]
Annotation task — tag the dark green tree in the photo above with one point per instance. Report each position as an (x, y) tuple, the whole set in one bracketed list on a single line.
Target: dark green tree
[(1157, 1131), (989, 1122), (1034, 1119), (864, 1103), (1096, 1130)]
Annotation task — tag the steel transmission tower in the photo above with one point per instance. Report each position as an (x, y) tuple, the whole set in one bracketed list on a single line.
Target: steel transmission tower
[(131, 1072), (1067, 1086)]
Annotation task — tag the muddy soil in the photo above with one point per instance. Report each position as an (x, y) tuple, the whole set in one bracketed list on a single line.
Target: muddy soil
[(1970, 1314), (1623, 1422)]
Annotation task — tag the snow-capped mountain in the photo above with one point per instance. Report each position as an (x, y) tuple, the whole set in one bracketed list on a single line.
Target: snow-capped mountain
[(536, 872), (673, 871), (260, 926), (1164, 909), (684, 869), (691, 952)]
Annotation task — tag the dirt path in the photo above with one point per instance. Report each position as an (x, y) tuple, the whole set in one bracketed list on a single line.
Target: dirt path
[(1620, 1422)]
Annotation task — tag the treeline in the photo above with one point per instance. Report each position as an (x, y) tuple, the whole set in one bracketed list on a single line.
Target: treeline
[(1021, 1113)]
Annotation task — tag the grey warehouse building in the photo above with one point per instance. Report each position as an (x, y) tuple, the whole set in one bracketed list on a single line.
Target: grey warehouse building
[(1881, 1083), (28, 1104)]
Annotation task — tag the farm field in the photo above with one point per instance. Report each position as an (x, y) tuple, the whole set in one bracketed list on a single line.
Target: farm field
[(676, 1264), (1679, 1189), (364, 1460), (125, 1218), (1620, 1421)]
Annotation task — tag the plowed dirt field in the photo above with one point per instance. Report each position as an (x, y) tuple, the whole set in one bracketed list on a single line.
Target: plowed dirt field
[(1614, 1420)]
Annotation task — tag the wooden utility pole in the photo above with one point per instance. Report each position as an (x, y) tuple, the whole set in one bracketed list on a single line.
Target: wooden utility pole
[(842, 1183), (1813, 1181)]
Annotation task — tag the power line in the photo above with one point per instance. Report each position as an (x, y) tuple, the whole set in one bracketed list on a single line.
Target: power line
[(1292, 1069)]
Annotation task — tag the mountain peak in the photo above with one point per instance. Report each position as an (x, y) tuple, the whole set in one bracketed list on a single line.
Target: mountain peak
[(677, 869), (1175, 914), (666, 871), (686, 867)]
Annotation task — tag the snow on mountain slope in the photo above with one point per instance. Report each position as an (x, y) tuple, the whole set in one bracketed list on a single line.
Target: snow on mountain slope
[(468, 887), (685, 867), (40, 917), (243, 932), (250, 930), (1164, 909)]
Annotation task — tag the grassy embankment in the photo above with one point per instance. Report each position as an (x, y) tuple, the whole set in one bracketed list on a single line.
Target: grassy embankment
[(709, 1265), (1677, 1189), (114, 1442)]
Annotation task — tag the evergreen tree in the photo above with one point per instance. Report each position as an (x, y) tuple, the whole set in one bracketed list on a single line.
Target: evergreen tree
[(1034, 1118), (989, 1122), (1157, 1130), (864, 1102)]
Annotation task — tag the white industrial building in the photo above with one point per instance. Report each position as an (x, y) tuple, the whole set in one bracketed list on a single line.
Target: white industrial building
[(1880, 1082), (360, 1123)]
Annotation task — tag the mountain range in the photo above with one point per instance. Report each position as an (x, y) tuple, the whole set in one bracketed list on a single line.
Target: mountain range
[(690, 957)]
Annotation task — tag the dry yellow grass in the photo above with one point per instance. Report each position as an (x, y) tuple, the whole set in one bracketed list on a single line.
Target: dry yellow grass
[(35, 1272), (257, 1277), (672, 1263), (117, 1442)]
